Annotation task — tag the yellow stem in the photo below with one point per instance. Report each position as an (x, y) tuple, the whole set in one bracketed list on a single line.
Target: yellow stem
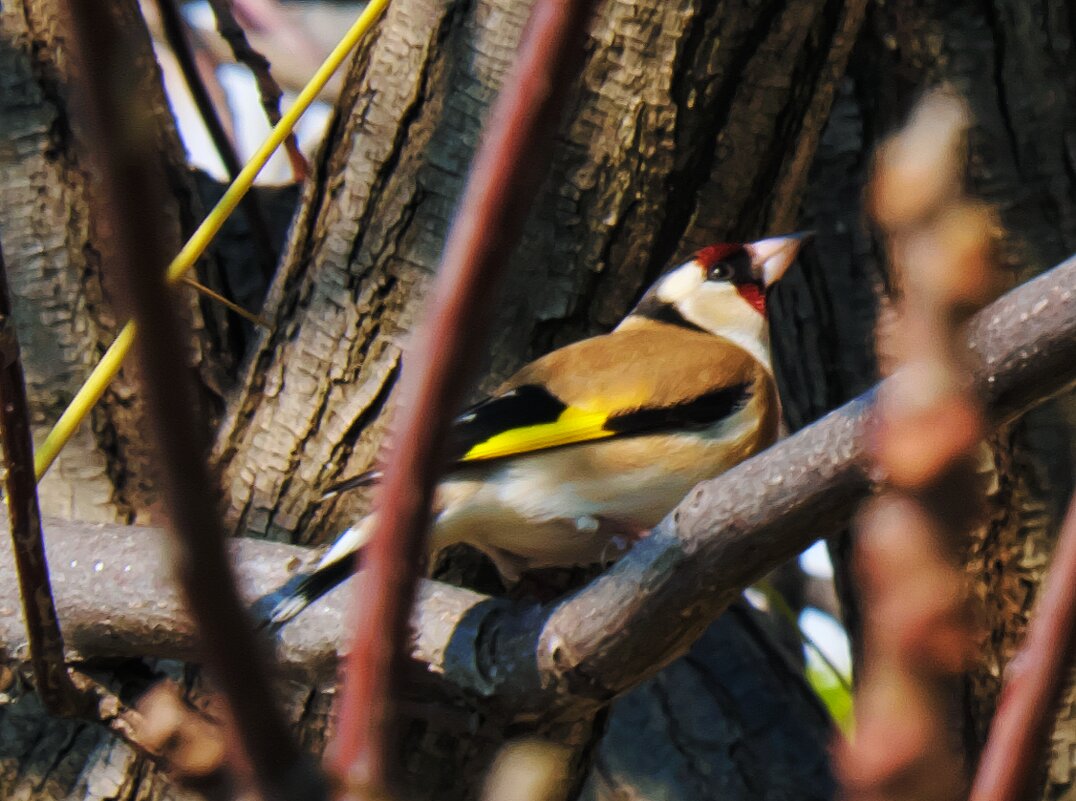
[(109, 365), (85, 399)]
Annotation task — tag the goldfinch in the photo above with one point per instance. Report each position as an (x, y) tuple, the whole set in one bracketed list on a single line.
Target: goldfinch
[(596, 442)]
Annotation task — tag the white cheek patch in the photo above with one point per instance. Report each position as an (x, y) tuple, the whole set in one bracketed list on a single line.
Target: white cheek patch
[(719, 309), (680, 283), (714, 306)]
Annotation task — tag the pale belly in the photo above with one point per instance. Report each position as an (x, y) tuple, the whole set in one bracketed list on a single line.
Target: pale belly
[(565, 506)]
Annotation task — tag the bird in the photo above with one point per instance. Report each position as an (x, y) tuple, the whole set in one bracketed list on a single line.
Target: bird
[(587, 448)]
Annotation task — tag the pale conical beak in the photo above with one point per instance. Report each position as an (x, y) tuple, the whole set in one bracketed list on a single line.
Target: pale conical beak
[(770, 258)]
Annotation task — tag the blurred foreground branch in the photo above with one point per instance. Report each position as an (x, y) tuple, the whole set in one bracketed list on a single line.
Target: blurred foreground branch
[(921, 626), (113, 117), (508, 168), (114, 595)]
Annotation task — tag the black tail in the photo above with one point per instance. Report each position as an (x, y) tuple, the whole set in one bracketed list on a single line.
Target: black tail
[(295, 596)]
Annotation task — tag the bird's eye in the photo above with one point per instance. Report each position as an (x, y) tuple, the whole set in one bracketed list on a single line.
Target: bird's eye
[(721, 271)]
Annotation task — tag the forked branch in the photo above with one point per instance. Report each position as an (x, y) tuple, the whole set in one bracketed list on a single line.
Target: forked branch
[(623, 627)]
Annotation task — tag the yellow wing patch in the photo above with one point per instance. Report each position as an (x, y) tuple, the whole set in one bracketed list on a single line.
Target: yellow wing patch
[(572, 426)]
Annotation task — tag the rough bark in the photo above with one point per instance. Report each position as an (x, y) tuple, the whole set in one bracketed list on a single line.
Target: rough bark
[(686, 117), (694, 121), (56, 247), (686, 120), (733, 687)]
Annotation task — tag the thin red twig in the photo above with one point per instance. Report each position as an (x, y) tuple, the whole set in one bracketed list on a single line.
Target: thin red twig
[(232, 32), (506, 174), (176, 33), (116, 124), (51, 679), (1019, 735)]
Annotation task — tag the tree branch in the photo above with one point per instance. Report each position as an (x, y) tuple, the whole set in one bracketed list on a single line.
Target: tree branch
[(269, 90), (46, 644), (114, 597)]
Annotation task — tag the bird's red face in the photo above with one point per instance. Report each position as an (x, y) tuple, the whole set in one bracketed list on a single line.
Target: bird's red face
[(732, 263), (722, 288)]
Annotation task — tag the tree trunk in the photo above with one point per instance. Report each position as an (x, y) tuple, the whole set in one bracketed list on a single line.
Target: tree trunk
[(57, 256), (694, 122), (735, 694), (55, 251)]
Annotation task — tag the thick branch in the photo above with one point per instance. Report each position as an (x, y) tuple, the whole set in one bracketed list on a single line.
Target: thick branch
[(114, 597)]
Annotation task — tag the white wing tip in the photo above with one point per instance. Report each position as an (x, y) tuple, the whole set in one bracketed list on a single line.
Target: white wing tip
[(287, 609), (346, 544)]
